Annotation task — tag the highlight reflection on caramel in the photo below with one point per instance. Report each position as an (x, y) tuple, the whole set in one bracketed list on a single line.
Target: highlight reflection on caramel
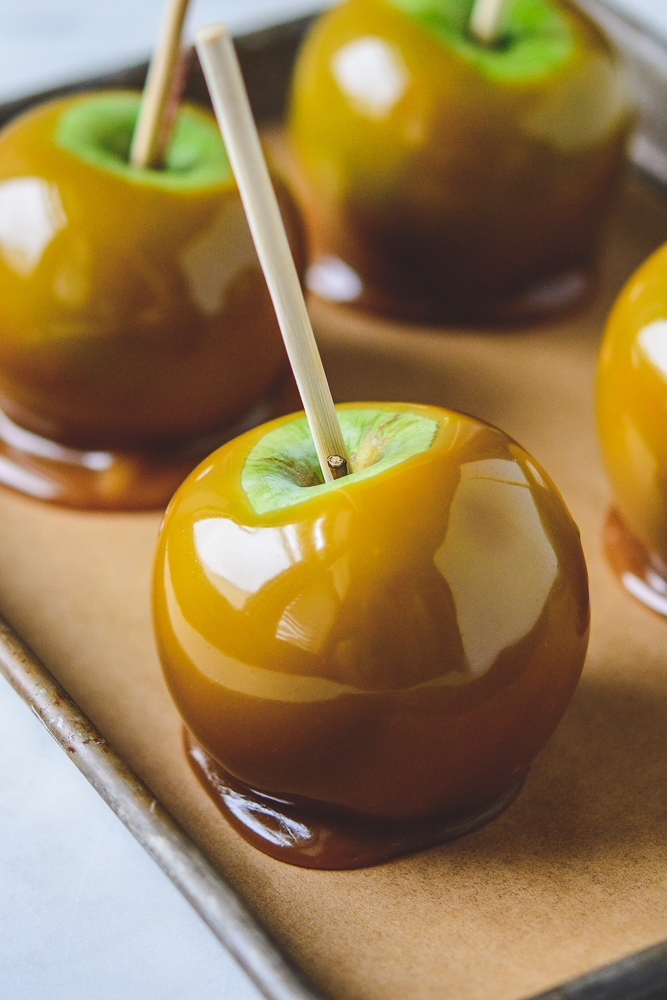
[(396, 649)]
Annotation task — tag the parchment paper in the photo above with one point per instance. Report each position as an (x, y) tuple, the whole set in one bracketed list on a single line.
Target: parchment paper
[(573, 874)]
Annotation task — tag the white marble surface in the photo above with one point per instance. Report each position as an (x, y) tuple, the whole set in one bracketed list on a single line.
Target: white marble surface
[(44, 43), (85, 914), (653, 13), (47, 42)]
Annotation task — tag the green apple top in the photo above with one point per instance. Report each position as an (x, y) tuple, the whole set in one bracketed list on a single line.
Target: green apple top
[(133, 310), (452, 176), (397, 643)]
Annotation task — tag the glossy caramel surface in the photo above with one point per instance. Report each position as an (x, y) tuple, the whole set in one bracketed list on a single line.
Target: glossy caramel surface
[(121, 480), (642, 573), (449, 192), (132, 314), (398, 647), (632, 404), (300, 836)]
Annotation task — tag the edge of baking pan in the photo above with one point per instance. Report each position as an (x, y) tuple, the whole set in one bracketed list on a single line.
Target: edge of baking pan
[(640, 976), (154, 827), (645, 60), (266, 57)]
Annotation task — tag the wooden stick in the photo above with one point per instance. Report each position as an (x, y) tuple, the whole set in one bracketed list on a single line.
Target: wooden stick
[(232, 108), (147, 142), (177, 87), (486, 20)]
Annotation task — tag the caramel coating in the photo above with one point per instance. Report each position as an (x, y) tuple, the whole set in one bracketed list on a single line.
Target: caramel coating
[(398, 647), (632, 403), (132, 315), (450, 193)]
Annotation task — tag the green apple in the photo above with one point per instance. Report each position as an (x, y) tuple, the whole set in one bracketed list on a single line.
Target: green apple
[(446, 178), (376, 655), (134, 315)]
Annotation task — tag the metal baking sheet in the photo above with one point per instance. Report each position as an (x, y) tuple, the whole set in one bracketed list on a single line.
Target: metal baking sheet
[(266, 58)]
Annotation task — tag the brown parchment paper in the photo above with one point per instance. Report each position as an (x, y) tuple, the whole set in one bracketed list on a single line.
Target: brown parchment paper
[(574, 874)]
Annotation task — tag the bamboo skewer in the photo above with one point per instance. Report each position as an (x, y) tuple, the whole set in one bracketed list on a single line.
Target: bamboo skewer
[(148, 139), (486, 20), (232, 108), (174, 98)]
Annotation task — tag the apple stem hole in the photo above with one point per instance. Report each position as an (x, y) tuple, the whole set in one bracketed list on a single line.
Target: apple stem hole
[(338, 466)]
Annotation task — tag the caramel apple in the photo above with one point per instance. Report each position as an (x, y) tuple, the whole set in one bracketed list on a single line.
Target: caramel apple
[(371, 617), (445, 177), (134, 316), (632, 416), (369, 665)]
